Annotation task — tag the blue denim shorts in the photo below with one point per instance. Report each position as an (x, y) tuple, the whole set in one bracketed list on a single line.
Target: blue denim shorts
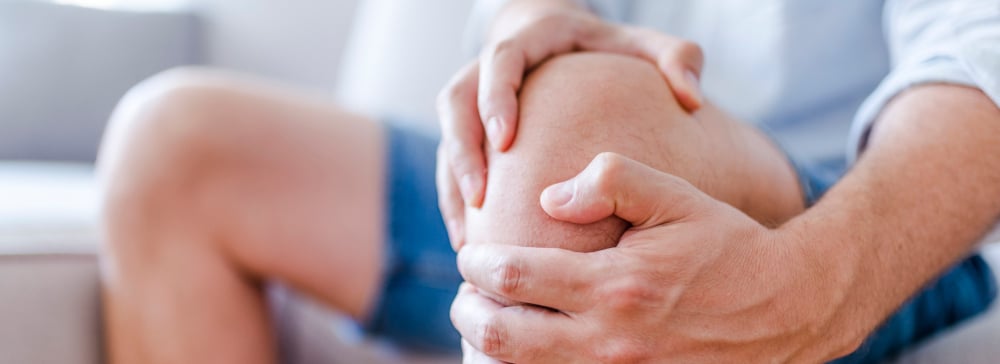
[(421, 277)]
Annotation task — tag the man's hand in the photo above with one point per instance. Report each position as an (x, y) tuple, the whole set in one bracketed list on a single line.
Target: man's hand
[(480, 102), (694, 280)]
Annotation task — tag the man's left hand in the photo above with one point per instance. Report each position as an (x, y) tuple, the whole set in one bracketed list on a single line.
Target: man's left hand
[(693, 280)]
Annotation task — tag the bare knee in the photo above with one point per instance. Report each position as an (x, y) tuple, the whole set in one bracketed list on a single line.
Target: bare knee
[(153, 155), (165, 113), (203, 153), (573, 108)]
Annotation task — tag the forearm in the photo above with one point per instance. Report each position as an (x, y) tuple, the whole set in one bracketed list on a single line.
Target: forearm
[(924, 191)]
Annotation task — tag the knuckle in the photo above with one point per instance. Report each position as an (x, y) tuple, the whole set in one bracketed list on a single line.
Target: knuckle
[(554, 19), (688, 47), (681, 53), (449, 95), (508, 275), (454, 149), (608, 167), (460, 157), (455, 90), (687, 50), (610, 162), (492, 336), (628, 294), (503, 46), (621, 351)]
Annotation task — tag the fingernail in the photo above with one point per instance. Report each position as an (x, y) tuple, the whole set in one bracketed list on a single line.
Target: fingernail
[(470, 186), (560, 194), (494, 130)]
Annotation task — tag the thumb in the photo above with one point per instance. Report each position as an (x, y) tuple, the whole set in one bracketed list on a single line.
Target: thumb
[(616, 185)]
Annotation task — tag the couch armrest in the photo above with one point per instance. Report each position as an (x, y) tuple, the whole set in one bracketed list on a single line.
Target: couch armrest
[(49, 290), (50, 308)]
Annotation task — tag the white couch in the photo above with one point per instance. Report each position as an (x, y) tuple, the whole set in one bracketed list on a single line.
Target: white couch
[(49, 298), (61, 71)]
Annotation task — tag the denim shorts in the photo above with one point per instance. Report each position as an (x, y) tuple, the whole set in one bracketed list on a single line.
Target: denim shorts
[(421, 277)]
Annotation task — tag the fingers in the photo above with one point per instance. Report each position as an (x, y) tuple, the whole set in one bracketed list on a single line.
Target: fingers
[(500, 79), (450, 201), (472, 356), (481, 101), (505, 63), (549, 277), (461, 166), (679, 60), (515, 334), (502, 72), (461, 149), (615, 185)]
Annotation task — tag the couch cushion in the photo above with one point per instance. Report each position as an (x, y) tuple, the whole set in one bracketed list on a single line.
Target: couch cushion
[(47, 208), (63, 68)]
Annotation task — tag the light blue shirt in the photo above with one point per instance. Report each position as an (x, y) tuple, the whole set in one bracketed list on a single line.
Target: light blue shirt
[(816, 73)]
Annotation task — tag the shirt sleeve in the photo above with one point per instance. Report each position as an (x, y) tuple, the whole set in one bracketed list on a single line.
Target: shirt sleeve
[(934, 41)]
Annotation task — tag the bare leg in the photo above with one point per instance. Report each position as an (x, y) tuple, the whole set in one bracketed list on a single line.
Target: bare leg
[(211, 184), (577, 106)]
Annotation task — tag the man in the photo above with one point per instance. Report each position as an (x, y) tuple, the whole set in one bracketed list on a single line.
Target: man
[(214, 184), (682, 284)]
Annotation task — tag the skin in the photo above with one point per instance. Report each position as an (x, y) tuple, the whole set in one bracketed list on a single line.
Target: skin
[(722, 287), (213, 183), (481, 99), (917, 201), (577, 106), (202, 200)]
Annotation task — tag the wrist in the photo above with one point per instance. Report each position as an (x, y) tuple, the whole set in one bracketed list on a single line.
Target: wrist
[(829, 276)]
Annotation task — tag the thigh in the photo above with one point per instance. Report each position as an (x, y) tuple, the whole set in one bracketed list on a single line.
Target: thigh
[(282, 184), (347, 209), (340, 206)]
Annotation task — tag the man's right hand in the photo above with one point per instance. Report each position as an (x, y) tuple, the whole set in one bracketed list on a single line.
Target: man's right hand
[(480, 102)]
